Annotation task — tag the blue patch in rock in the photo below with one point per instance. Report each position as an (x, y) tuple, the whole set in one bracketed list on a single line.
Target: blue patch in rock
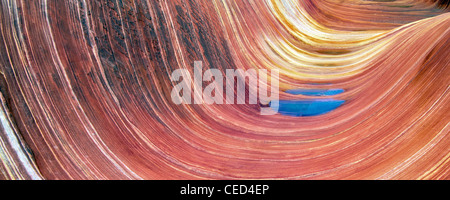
[(305, 108), (315, 92)]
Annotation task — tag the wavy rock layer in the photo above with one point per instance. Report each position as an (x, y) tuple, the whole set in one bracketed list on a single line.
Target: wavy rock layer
[(85, 89)]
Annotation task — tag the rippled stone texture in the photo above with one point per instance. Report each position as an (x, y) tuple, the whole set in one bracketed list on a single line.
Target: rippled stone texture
[(85, 89)]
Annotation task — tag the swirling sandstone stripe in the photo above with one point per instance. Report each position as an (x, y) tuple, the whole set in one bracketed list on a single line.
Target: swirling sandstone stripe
[(86, 89)]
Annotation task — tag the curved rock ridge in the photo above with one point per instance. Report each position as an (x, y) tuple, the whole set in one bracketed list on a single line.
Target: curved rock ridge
[(86, 89)]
